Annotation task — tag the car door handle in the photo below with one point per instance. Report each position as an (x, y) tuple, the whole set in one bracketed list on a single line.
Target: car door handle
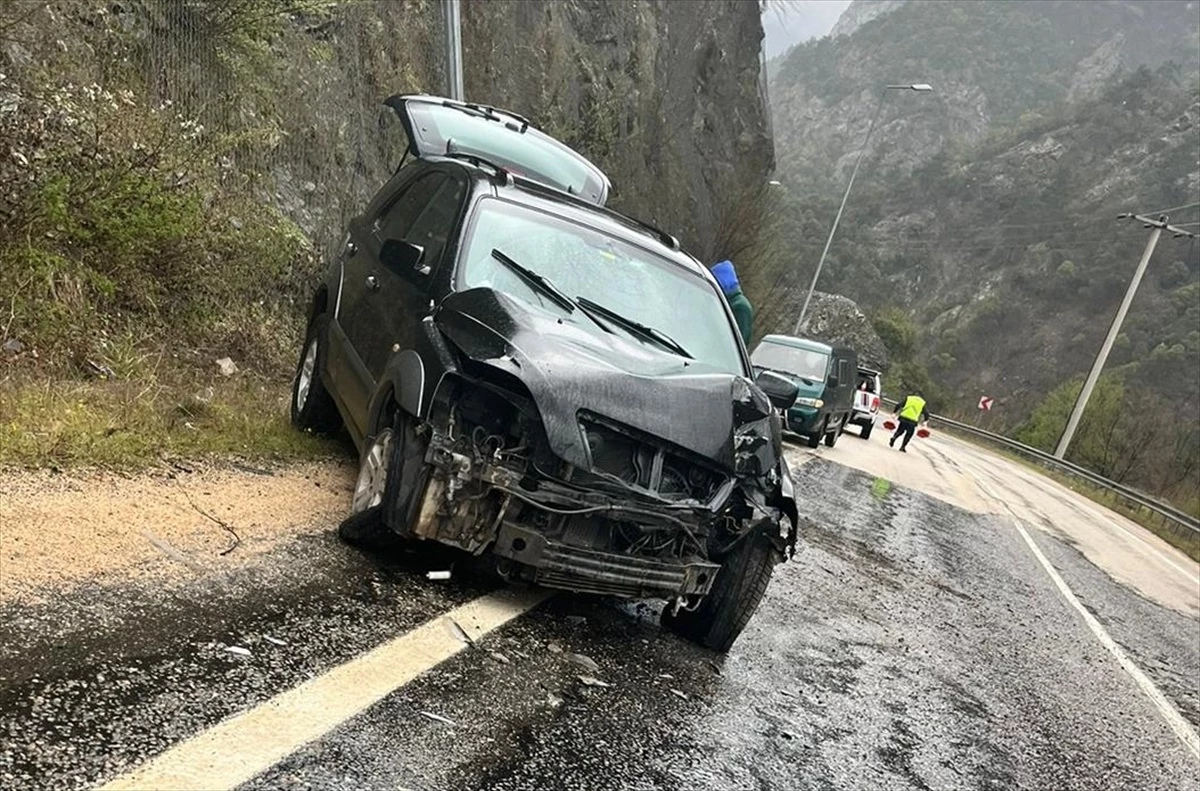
[(372, 282)]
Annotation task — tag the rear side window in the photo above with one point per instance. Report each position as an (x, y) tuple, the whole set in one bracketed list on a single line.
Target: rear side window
[(843, 371)]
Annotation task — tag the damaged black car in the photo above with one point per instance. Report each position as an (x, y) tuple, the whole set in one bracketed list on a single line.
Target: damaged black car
[(532, 376)]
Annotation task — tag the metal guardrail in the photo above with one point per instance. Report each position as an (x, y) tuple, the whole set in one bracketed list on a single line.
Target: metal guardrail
[(1171, 517)]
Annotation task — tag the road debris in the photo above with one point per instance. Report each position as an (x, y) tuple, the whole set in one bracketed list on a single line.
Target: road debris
[(437, 575), (592, 681), (499, 657), (458, 632), (224, 525), (274, 640), (226, 366), (439, 718), (680, 694), (554, 648), (666, 676), (586, 662), (237, 649)]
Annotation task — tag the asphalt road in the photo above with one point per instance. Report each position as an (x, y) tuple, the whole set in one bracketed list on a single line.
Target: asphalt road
[(916, 641)]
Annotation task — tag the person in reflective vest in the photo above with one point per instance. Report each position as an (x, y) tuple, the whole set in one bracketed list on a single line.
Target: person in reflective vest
[(911, 411)]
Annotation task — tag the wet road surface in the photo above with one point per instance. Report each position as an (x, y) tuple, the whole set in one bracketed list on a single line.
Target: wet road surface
[(911, 644)]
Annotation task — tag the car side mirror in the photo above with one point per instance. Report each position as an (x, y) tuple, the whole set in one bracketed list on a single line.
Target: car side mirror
[(833, 380), (780, 390), (403, 258)]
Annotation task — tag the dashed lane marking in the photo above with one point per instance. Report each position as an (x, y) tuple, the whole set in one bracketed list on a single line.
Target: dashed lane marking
[(235, 750)]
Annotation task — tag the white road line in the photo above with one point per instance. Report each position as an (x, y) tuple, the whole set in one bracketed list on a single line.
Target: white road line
[(243, 746), (1182, 728)]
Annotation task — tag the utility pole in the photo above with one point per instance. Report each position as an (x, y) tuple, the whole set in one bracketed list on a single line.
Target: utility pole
[(454, 59), (1157, 227)]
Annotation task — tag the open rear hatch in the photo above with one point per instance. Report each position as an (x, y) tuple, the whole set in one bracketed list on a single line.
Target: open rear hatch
[(443, 127)]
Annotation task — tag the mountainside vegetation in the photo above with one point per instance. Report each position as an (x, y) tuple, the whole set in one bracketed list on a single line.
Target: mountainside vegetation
[(174, 173), (982, 232)]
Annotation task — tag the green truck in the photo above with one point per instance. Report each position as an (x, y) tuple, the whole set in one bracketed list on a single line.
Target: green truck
[(826, 377)]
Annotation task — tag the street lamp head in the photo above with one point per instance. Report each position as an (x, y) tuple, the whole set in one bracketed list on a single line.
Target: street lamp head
[(775, 183), (916, 86)]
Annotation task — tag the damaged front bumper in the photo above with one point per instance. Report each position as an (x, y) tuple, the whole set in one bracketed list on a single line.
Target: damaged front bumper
[(557, 565), (561, 535)]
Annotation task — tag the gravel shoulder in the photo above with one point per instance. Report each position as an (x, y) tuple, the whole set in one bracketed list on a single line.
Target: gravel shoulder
[(68, 528)]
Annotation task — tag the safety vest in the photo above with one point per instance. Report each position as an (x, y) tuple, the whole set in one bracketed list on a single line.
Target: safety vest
[(912, 409)]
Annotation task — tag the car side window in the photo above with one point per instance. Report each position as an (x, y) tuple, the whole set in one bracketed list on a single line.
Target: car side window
[(431, 228), (397, 218), (843, 373)]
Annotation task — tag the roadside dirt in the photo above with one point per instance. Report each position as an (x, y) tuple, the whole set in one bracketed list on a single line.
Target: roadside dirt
[(60, 529)]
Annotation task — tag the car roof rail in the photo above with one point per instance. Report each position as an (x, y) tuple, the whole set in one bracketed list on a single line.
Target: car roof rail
[(667, 239), (535, 185)]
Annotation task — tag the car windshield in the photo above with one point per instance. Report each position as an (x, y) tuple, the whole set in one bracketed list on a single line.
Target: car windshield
[(805, 363), (605, 270)]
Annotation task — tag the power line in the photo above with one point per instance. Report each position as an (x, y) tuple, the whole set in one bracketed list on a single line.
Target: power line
[(1173, 208)]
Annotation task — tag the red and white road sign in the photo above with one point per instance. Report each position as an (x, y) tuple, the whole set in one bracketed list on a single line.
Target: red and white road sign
[(985, 403)]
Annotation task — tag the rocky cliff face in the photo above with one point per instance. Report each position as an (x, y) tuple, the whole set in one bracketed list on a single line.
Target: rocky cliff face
[(990, 63), (984, 211), (860, 12), (664, 96), (837, 320), (265, 119)]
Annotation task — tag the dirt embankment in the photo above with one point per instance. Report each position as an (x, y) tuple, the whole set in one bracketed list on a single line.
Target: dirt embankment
[(61, 529)]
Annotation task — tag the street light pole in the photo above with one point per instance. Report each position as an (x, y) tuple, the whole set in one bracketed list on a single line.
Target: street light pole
[(846, 195), (454, 60), (1157, 226)]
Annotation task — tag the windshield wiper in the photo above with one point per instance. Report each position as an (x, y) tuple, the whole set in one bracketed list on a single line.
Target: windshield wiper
[(637, 328), (789, 374), (537, 282)]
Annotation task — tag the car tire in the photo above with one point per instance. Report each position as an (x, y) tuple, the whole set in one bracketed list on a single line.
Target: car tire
[(736, 593), (831, 437), (367, 530), (865, 432), (313, 408), (814, 439), (391, 484)]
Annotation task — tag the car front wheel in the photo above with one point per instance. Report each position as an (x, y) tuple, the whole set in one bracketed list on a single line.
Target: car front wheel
[(736, 593), (393, 481), (831, 437), (814, 439)]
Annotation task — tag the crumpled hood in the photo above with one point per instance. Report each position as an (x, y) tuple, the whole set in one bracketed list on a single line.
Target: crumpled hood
[(570, 367)]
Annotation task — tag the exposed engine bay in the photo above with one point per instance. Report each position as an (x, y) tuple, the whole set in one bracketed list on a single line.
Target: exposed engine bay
[(641, 518)]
